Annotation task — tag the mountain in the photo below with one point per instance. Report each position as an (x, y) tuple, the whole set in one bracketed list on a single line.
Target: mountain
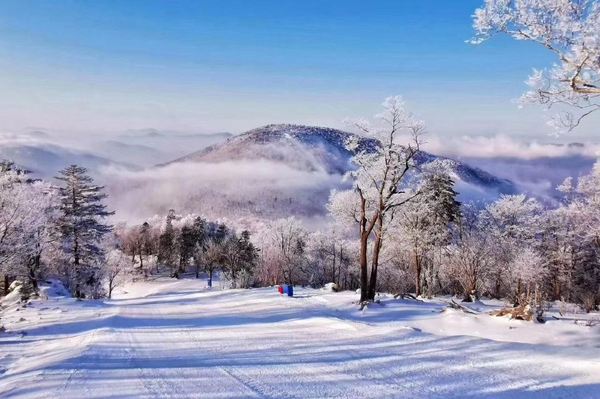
[(45, 160), (136, 154), (270, 172), (305, 148), (310, 148)]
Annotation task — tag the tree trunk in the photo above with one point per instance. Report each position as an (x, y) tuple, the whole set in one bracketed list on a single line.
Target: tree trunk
[(340, 265), (32, 278), (364, 291), (374, 266), (6, 283), (417, 274), (333, 265)]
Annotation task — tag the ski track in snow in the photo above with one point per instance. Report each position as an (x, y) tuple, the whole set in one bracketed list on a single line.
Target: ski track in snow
[(176, 339)]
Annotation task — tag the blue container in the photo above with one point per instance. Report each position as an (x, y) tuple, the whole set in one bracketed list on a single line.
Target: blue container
[(290, 290)]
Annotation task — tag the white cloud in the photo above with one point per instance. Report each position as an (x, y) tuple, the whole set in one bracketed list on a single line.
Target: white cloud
[(504, 146)]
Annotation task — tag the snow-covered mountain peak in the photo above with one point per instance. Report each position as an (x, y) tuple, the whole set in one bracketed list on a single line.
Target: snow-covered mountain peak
[(312, 148)]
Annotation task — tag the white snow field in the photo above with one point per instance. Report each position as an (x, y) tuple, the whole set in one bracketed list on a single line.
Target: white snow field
[(176, 339)]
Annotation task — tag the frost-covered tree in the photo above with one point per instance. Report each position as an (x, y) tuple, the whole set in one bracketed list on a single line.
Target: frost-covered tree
[(558, 247), (528, 272), (235, 256), (81, 228), (469, 258), (566, 28), (27, 212), (287, 240), (581, 278), (115, 267), (379, 184), (147, 247), (330, 259), (511, 223)]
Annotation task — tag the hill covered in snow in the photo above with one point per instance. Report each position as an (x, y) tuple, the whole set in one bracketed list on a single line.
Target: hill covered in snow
[(270, 172), (312, 149)]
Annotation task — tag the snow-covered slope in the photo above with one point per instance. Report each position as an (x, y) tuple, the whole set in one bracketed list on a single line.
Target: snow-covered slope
[(176, 339)]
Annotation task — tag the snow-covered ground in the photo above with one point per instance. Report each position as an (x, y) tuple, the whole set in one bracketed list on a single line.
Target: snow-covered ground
[(176, 339)]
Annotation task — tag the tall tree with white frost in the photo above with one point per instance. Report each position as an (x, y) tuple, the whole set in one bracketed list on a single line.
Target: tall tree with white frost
[(512, 224), (469, 258), (567, 28), (26, 213), (116, 267), (81, 211), (583, 211), (379, 184), (287, 239)]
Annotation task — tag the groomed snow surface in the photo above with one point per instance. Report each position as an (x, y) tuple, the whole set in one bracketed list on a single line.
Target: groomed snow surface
[(177, 339)]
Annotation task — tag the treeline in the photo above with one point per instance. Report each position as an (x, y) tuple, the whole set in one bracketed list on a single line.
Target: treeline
[(190, 244), (58, 231), (413, 235), (283, 251), (514, 248)]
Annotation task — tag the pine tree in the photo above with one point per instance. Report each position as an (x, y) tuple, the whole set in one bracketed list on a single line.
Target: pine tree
[(81, 230), (167, 248), (249, 253), (443, 209), (187, 241)]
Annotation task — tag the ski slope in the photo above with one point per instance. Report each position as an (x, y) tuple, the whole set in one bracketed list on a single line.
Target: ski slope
[(176, 339)]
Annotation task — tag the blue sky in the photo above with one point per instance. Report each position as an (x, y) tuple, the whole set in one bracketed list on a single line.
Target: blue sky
[(202, 66)]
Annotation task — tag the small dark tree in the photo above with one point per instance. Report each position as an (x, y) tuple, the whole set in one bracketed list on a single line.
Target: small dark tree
[(199, 244), (167, 248), (221, 232), (239, 257), (249, 253), (187, 242)]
